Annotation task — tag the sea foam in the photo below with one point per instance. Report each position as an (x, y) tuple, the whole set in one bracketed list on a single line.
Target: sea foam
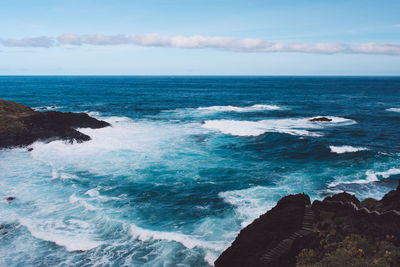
[(74, 199), (393, 109), (370, 177), (346, 149), (289, 126), (47, 108), (188, 241), (254, 201), (77, 240), (229, 108)]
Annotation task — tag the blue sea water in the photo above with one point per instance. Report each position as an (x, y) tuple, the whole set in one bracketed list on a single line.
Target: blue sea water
[(187, 163)]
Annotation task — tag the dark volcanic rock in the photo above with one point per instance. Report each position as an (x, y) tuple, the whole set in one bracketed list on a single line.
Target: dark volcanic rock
[(391, 201), (344, 197), (265, 233), (21, 126), (316, 238), (322, 119)]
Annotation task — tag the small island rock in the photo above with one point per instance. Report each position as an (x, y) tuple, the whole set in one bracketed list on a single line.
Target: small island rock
[(320, 119)]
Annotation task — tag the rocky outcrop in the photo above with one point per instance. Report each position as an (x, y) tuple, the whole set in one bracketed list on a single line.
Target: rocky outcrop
[(316, 232), (9, 199), (254, 244), (321, 119), (21, 125)]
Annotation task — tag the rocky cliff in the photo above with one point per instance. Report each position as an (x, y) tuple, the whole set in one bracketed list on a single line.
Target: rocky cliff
[(21, 126), (338, 231)]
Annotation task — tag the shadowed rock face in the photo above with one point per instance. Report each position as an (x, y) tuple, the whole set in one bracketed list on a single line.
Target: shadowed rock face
[(265, 233), (294, 230), (21, 126)]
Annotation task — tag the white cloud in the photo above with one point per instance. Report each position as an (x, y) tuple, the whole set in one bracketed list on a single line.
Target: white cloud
[(228, 43), (41, 41), (374, 48), (215, 42), (94, 39)]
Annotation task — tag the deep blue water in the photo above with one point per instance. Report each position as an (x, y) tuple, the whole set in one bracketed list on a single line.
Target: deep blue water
[(188, 162)]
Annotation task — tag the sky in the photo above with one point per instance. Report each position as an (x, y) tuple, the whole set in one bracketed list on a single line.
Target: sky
[(199, 37)]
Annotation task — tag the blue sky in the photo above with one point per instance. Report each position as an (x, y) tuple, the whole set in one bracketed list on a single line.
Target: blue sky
[(200, 37)]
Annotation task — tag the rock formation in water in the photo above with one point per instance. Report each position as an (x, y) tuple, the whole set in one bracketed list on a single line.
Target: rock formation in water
[(21, 125), (338, 231), (321, 119)]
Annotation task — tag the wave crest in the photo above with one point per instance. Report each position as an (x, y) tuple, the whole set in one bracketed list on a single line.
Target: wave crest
[(289, 126), (393, 109), (371, 177), (346, 149), (188, 241), (229, 108), (77, 240)]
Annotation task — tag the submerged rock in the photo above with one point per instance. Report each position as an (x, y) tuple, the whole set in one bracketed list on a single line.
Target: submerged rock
[(338, 231), (321, 119), (21, 125)]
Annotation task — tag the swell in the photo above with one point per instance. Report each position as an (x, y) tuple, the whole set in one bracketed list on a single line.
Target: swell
[(301, 126)]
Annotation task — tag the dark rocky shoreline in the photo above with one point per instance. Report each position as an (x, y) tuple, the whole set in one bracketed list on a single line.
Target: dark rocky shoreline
[(21, 126), (338, 231)]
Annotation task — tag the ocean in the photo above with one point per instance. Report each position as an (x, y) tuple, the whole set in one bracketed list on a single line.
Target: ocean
[(187, 163)]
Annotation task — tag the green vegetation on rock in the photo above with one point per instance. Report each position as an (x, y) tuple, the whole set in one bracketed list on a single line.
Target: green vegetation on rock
[(353, 250)]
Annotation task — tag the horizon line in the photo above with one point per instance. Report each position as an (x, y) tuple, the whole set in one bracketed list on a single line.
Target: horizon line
[(198, 75)]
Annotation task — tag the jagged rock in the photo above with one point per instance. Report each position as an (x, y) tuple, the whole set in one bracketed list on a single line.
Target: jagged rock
[(344, 197), (321, 119), (277, 237), (21, 126), (391, 201), (265, 233)]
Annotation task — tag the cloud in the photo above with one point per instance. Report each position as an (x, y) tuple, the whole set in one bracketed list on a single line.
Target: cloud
[(41, 41), (94, 39), (228, 43), (201, 42), (374, 48)]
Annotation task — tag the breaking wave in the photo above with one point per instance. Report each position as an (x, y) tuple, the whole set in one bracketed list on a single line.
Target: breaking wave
[(371, 177), (76, 239), (299, 127), (394, 109), (346, 149), (189, 242), (230, 108)]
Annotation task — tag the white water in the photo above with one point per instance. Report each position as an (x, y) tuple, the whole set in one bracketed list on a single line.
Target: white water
[(346, 149), (299, 127), (394, 109), (370, 177), (252, 202), (252, 108)]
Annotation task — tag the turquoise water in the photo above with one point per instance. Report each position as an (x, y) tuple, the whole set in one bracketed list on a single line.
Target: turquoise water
[(188, 162)]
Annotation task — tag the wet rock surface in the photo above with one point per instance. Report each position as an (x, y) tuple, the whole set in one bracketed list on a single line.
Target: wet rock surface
[(321, 119), (21, 125)]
